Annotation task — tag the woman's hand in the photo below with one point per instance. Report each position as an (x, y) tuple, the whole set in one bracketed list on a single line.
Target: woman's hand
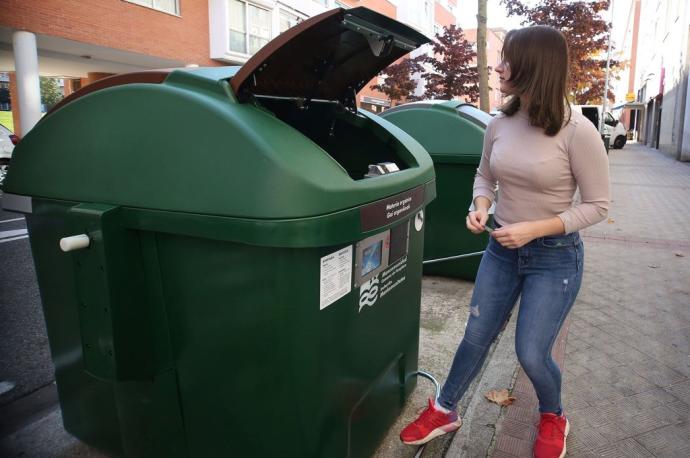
[(476, 220), (516, 235)]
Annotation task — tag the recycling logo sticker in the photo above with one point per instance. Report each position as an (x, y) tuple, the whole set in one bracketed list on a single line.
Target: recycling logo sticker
[(369, 292)]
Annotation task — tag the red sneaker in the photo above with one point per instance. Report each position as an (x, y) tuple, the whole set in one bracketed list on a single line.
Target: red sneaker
[(430, 424), (550, 443)]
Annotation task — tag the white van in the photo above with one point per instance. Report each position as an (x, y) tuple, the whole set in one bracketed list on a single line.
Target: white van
[(612, 127)]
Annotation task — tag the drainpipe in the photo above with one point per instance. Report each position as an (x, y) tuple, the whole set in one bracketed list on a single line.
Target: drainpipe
[(606, 80)]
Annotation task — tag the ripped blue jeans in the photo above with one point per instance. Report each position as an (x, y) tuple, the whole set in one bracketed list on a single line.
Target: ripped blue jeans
[(546, 273)]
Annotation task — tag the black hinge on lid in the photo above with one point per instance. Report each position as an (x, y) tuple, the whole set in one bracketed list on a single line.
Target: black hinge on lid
[(350, 100), (380, 40)]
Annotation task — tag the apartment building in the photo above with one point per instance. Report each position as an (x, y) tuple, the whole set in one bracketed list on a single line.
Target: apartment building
[(85, 40), (494, 44), (660, 63)]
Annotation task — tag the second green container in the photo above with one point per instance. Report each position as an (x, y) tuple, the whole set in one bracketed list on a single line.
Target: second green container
[(453, 134)]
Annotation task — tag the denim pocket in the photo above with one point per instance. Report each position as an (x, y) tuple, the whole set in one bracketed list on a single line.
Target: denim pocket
[(557, 242)]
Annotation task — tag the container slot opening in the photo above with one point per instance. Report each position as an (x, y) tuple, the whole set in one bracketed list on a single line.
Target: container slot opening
[(351, 139)]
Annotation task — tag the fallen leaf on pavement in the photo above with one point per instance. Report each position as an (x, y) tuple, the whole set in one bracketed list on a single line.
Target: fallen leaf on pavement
[(611, 221), (500, 397), (680, 255)]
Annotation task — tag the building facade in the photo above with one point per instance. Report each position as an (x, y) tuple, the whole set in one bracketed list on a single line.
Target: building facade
[(81, 41), (661, 76)]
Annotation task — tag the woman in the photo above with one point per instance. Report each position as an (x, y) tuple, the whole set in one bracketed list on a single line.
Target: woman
[(538, 152)]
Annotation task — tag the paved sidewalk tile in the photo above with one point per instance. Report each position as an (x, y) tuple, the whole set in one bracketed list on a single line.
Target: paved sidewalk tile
[(626, 371)]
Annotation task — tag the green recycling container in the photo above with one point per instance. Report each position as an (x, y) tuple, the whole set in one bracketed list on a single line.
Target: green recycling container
[(453, 134), (230, 259)]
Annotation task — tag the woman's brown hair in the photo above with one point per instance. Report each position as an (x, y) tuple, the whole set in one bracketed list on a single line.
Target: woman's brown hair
[(538, 60)]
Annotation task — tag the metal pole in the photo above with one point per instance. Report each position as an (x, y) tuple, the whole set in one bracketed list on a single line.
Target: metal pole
[(450, 258), (606, 80), (437, 386)]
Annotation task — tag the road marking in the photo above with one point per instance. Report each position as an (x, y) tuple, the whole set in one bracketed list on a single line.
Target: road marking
[(630, 239), (15, 233), (10, 220), (11, 236), (14, 238)]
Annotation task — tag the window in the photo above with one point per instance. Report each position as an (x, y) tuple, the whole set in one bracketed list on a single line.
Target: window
[(608, 119), (322, 2), (287, 20), (250, 27), (167, 6), (341, 5)]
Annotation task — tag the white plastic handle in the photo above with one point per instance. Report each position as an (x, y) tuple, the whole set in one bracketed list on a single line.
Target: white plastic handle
[(75, 242)]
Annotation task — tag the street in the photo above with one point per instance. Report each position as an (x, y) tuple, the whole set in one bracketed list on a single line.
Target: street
[(25, 365), (24, 357)]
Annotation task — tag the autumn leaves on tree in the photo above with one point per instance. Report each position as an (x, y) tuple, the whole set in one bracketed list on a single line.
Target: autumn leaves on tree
[(451, 71), (448, 73), (587, 35)]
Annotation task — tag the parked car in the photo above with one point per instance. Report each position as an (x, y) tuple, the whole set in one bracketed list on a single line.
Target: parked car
[(7, 142), (612, 127)]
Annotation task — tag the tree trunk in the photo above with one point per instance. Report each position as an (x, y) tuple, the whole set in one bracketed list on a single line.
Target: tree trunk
[(482, 64)]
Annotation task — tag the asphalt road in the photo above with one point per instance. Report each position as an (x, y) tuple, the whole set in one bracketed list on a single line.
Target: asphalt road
[(25, 363)]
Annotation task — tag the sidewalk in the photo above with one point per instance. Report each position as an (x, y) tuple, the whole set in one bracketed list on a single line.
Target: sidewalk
[(626, 386)]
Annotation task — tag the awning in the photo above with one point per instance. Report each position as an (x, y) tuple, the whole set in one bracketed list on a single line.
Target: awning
[(630, 105)]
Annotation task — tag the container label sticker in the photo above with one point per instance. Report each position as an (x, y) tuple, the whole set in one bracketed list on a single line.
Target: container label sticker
[(382, 284), (391, 209), (336, 276)]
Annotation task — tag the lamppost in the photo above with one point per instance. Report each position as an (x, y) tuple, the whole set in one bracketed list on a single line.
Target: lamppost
[(606, 79)]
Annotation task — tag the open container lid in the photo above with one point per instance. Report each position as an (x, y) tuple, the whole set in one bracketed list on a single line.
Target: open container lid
[(328, 57)]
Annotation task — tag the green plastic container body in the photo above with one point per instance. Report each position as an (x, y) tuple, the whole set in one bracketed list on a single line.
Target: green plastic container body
[(453, 134), (192, 324)]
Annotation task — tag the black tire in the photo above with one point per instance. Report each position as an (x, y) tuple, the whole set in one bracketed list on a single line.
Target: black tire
[(619, 142)]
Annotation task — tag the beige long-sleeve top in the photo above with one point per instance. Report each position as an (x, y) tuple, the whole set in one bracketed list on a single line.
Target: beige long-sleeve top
[(537, 175)]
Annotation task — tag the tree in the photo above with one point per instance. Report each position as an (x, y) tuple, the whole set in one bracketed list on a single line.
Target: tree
[(452, 73), (482, 61), (398, 83), (50, 92), (587, 35)]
